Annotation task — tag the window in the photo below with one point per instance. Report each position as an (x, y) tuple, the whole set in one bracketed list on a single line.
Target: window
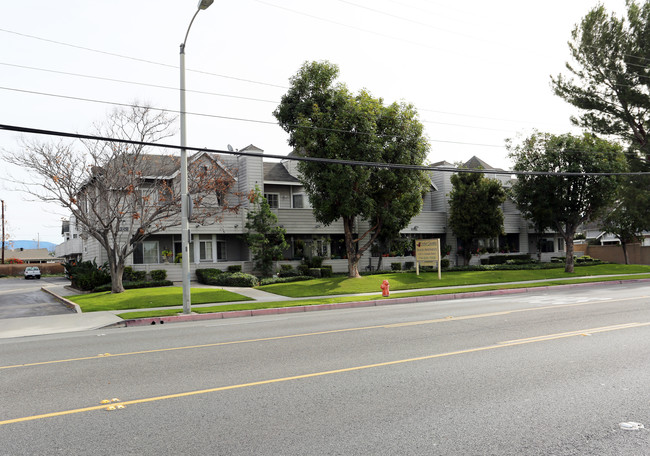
[(273, 199), (321, 248), (298, 201), (221, 250), (146, 253), (546, 245), (560, 244), (205, 250)]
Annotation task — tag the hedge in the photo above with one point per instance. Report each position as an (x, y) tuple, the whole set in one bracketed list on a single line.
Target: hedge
[(202, 275), (270, 280), (238, 279), (158, 274)]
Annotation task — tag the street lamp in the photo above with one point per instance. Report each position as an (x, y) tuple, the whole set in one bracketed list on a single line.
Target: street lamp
[(185, 228)]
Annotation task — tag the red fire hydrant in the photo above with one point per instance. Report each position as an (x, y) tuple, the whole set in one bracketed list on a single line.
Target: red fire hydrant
[(385, 288)]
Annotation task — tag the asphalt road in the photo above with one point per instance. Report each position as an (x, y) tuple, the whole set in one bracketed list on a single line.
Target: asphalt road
[(24, 298), (547, 373)]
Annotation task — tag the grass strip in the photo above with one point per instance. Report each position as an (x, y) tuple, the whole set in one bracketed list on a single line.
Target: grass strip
[(143, 298), (310, 302), (410, 281)]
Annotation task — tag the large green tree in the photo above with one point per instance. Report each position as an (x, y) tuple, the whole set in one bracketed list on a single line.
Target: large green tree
[(629, 216), (325, 120), (609, 79), (562, 202), (474, 209), (264, 238)]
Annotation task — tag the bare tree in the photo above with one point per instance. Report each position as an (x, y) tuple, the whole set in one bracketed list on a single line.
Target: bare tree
[(121, 193)]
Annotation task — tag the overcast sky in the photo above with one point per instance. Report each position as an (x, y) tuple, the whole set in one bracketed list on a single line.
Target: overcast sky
[(478, 72)]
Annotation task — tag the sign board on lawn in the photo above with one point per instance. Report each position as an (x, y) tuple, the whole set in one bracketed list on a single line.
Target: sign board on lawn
[(427, 253)]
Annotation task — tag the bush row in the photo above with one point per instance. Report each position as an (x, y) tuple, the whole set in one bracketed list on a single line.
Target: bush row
[(297, 278), (227, 279)]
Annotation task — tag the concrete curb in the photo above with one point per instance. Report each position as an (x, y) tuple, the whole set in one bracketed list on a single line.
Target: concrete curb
[(69, 304), (352, 304)]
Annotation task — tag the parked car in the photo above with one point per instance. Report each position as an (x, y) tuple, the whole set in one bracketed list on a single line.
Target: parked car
[(32, 272)]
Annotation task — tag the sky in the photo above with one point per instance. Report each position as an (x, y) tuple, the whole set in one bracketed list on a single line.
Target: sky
[(478, 72)]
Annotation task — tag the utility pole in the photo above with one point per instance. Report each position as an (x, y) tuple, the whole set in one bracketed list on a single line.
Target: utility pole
[(3, 232)]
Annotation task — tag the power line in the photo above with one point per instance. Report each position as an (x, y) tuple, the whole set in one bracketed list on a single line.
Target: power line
[(137, 59), (201, 92), (238, 119), (144, 84), (198, 71), (307, 159)]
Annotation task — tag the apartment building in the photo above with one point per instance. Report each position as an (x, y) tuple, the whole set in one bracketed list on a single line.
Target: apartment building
[(221, 244)]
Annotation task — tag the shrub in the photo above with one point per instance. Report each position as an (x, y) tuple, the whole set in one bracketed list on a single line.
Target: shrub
[(409, 265), (315, 272), (396, 266), (444, 263), (303, 269), (237, 279), (286, 270), (315, 262), (587, 259), (86, 275), (504, 259), (326, 271), (129, 275), (289, 273), (270, 280), (202, 275), (233, 268), (158, 275)]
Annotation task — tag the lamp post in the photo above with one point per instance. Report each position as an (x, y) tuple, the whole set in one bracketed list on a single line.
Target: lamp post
[(185, 201)]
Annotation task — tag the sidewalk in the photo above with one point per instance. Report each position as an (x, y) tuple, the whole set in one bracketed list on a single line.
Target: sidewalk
[(55, 324)]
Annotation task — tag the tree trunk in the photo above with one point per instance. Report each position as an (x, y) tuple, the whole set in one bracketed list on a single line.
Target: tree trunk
[(625, 253), (353, 258), (353, 268), (568, 240), (117, 269)]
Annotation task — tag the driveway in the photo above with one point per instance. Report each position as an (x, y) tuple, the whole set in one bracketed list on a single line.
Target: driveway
[(24, 298)]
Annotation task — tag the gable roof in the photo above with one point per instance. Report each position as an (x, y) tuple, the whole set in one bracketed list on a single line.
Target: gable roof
[(276, 172), (477, 163)]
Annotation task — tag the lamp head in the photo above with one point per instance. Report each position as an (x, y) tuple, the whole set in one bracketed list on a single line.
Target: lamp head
[(204, 4)]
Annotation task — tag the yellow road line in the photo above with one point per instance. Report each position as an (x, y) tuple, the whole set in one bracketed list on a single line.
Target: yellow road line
[(319, 333), (331, 372), (582, 332)]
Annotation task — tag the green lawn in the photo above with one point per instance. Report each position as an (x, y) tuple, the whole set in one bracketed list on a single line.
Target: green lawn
[(410, 281), (143, 298), (311, 302)]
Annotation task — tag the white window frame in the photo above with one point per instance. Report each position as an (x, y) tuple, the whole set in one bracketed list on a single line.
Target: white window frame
[(277, 200), (145, 258), (293, 204), (205, 249)]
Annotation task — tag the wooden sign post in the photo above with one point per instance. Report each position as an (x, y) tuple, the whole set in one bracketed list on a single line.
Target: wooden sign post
[(427, 253)]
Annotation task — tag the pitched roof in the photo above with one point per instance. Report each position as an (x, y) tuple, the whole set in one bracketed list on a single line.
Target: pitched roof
[(28, 254), (276, 172), (477, 163)]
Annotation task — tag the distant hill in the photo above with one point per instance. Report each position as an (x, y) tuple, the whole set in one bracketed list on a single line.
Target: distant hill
[(29, 245)]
